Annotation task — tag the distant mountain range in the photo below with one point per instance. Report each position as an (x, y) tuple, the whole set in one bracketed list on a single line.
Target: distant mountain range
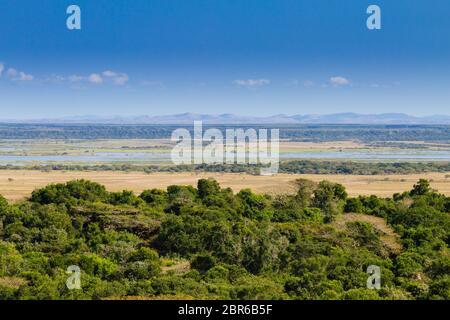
[(188, 118)]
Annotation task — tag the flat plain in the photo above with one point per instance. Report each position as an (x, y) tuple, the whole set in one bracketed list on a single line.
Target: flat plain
[(18, 184)]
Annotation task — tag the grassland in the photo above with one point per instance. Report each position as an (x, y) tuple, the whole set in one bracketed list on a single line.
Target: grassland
[(18, 184)]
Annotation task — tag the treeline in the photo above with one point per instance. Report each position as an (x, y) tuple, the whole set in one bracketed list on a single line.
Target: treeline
[(315, 133), (362, 168), (291, 166), (209, 243)]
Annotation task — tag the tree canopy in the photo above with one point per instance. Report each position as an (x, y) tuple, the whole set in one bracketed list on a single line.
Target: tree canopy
[(207, 242)]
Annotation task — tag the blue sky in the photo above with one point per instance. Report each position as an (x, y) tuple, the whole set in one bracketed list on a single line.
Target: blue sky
[(250, 57)]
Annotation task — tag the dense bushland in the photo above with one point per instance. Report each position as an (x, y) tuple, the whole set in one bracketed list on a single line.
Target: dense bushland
[(208, 242)]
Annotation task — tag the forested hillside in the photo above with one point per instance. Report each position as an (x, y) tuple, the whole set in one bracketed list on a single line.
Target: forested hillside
[(206, 242)]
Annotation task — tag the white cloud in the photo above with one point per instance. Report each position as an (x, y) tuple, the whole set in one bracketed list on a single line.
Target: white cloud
[(252, 83), (117, 78), (109, 73), (95, 78), (108, 76), (11, 73), (15, 75), (25, 77), (105, 77), (121, 79), (339, 81)]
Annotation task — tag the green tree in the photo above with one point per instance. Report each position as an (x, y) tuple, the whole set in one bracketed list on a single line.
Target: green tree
[(207, 187), (422, 187), (329, 197), (305, 191)]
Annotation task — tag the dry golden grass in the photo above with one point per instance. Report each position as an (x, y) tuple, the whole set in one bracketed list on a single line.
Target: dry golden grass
[(388, 236), (17, 184), (179, 267), (12, 282)]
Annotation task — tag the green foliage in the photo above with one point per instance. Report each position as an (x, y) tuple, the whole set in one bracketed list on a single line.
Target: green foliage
[(209, 243), (207, 187), (330, 197), (97, 266), (3, 203), (154, 196), (361, 294), (70, 192), (305, 191), (125, 197), (255, 206), (354, 205), (421, 188), (203, 262)]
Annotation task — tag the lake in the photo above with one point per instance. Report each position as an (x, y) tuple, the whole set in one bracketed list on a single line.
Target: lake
[(114, 157)]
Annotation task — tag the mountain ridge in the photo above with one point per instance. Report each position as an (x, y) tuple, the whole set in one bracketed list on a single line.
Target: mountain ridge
[(228, 118)]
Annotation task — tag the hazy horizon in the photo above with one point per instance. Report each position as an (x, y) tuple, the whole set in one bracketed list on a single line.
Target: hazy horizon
[(224, 119), (130, 115)]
